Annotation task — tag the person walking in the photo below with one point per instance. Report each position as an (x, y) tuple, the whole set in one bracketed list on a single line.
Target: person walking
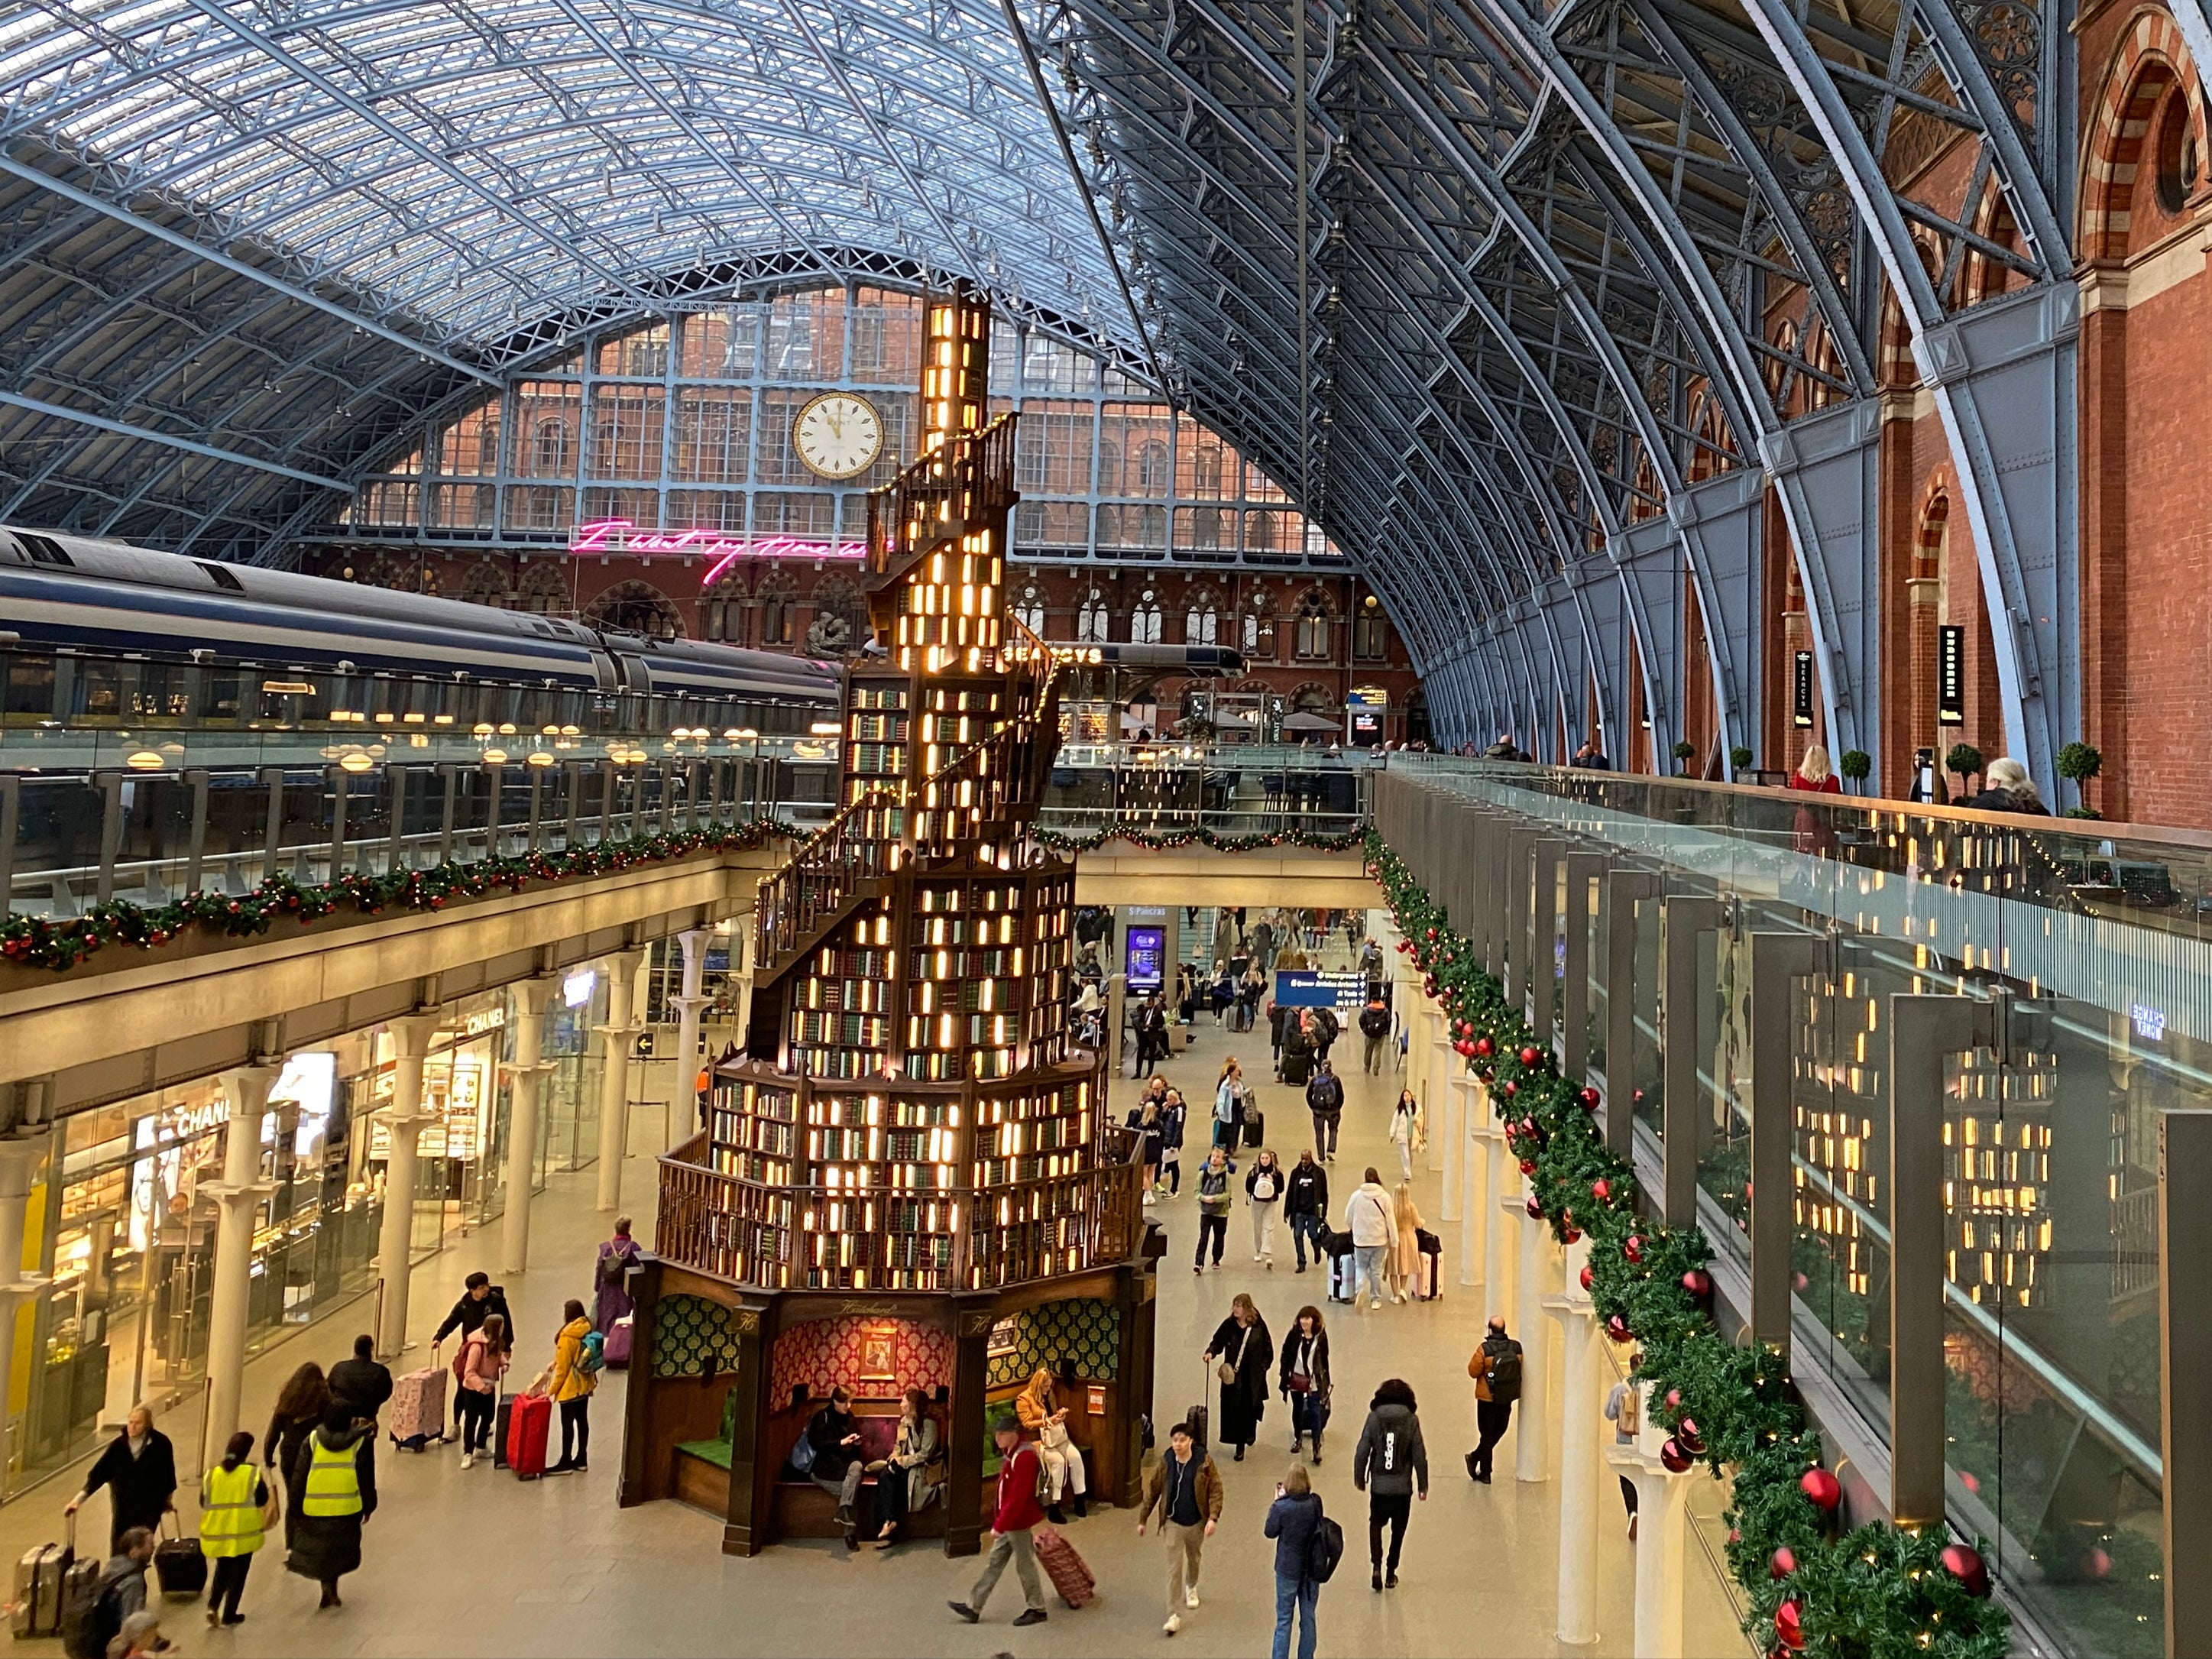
[(1296, 1068), (1292, 1519), (1263, 1196), (1229, 1095), (363, 1381), (572, 1378), (1278, 1018), (233, 1516), (1015, 1512), (611, 1298), (1624, 1407), (1405, 1265), (139, 1470), (1185, 1487), (336, 1477), (1242, 1352), (301, 1405), (1375, 1028), (1367, 1217), (1144, 1121), (481, 1363), (1404, 1129), (1496, 1368), (1212, 1208), (1305, 1207), (1302, 1379), (1326, 1028), (1325, 1100), (1174, 1116), (1388, 1464)]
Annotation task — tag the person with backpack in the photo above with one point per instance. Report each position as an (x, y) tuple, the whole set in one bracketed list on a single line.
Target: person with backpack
[(1325, 1100), (1305, 1207), (1375, 1027), (234, 1516), (579, 1356), (336, 1483), (1326, 1028), (1496, 1368), (481, 1363), (1308, 1546), (1212, 1208), (96, 1616), (1624, 1407), (1263, 1195), (479, 1300), (1388, 1461), (611, 1298), (1185, 1487)]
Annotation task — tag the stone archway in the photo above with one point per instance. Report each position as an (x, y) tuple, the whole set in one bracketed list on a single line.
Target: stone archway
[(635, 607)]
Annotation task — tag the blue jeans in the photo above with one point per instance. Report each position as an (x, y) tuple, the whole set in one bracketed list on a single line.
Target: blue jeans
[(1368, 1258), (1302, 1594), (1304, 1227)]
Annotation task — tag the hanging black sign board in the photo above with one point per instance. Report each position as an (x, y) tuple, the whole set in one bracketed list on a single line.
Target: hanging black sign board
[(1801, 700), (1950, 676)]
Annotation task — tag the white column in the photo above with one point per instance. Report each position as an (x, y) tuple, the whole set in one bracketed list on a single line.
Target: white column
[(683, 1097), (239, 1193), (616, 1037), (1433, 1086), (1539, 1265), (1473, 1158), (1508, 1212), (1451, 1119), (1578, 1451), (18, 1159), (1659, 1500), (405, 1120), (525, 1074)]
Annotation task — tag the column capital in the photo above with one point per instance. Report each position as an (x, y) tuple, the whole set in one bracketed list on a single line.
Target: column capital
[(625, 1031), (229, 1193), (411, 1033), (248, 1087), (623, 965), (530, 994), (19, 1156), (694, 940), (686, 1004)]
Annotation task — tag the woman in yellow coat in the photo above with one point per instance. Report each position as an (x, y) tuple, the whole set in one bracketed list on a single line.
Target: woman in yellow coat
[(234, 1516), (1405, 1261), (578, 1360)]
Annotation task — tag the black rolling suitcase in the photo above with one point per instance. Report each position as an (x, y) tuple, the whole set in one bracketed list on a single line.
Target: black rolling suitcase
[(1201, 1416), (1255, 1127)]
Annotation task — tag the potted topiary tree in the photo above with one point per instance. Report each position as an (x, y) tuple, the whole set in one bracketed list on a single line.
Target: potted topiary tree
[(2080, 762), (1964, 761), (1740, 758), (1684, 752), (1855, 764)]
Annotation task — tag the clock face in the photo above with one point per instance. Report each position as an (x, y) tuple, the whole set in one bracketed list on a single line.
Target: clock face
[(838, 435)]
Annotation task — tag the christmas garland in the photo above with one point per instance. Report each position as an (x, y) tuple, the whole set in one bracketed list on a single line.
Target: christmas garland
[(1158, 841), (1875, 1592), (41, 942)]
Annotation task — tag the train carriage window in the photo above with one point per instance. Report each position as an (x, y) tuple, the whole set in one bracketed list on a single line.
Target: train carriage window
[(99, 689), (29, 684), (160, 695), (219, 695)]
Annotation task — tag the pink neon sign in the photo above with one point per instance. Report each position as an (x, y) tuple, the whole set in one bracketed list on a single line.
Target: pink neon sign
[(719, 550)]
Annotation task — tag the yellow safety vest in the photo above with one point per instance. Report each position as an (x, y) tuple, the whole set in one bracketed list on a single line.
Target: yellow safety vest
[(333, 1480), (230, 1520)]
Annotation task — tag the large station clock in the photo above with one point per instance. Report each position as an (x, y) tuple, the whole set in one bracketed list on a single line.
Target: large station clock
[(838, 435)]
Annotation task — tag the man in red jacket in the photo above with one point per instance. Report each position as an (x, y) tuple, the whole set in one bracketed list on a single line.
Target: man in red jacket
[(1019, 1472)]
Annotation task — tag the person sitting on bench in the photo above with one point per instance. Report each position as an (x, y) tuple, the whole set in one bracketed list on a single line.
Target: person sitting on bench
[(835, 1435), (1034, 1408), (906, 1482)]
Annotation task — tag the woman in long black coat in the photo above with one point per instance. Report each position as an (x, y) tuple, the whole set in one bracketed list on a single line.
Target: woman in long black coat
[(1243, 1342), (326, 1548)]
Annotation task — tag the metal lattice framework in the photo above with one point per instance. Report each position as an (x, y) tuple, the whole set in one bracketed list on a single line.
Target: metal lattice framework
[(1563, 292)]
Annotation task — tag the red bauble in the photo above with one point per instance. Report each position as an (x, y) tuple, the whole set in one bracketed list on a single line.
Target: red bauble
[(1674, 1399), (1617, 1329), (1692, 1442), (1512, 1087), (1823, 1488), (1590, 1099), (1965, 1563), (1531, 1054), (2095, 1564), (1783, 1562), (1789, 1627), (1528, 1166), (1485, 1046), (1600, 1189), (1432, 933), (1699, 1283), (1675, 1456), (1463, 1049), (1637, 1099), (1535, 1210), (1634, 1250), (1572, 1236), (1587, 1277)]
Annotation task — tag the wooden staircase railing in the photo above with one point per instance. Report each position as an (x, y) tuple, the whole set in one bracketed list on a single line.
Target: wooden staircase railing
[(968, 478)]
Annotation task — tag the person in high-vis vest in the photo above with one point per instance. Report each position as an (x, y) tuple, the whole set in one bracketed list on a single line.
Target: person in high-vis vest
[(234, 1511), (335, 1479)]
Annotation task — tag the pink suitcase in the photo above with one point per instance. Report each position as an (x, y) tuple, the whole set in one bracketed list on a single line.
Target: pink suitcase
[(618, 1348), (419, 1408), (1069, 1573)]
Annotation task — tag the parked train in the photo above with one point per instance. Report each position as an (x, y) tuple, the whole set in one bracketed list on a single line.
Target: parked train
[(96, 632)]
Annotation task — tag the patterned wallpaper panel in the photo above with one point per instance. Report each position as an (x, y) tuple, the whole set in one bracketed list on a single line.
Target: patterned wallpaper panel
[(1084, 1332), (824, 1352), (688, 1330)]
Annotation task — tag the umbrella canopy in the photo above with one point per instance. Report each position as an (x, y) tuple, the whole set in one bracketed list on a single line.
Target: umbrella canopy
[(1303, 721)]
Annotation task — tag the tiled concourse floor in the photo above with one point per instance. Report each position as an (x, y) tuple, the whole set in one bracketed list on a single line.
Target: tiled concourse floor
[(478, 1563)]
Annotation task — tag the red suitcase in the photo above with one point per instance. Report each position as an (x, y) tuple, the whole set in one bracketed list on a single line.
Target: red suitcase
[(527, 1425), (1064, 1567)]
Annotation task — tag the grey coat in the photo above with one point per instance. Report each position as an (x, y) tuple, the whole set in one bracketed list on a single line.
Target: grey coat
[(1390, 1455)]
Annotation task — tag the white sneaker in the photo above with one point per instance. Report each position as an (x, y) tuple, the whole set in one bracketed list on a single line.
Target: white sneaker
[(1190, 1598), (1151, 1198), (468, 1459), (1173, 1625), (1376, 1302), (1255, 1257)]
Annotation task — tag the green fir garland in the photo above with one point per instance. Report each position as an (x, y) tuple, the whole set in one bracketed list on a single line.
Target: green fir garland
[(1875, 1592), (1161, 841), (42, 942)]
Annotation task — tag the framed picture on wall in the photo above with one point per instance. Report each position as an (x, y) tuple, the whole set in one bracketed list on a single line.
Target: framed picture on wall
[(1004, 1338), (876, 1362)]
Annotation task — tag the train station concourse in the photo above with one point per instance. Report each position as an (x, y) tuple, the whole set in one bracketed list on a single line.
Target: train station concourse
[(1028, 827)]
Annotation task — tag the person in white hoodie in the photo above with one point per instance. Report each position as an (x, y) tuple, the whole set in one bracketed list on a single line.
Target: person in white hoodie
[(1368, 1218)]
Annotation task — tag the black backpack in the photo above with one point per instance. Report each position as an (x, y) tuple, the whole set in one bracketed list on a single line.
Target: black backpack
[(1324, 1549), (1504, 1372), (92, 1614)]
